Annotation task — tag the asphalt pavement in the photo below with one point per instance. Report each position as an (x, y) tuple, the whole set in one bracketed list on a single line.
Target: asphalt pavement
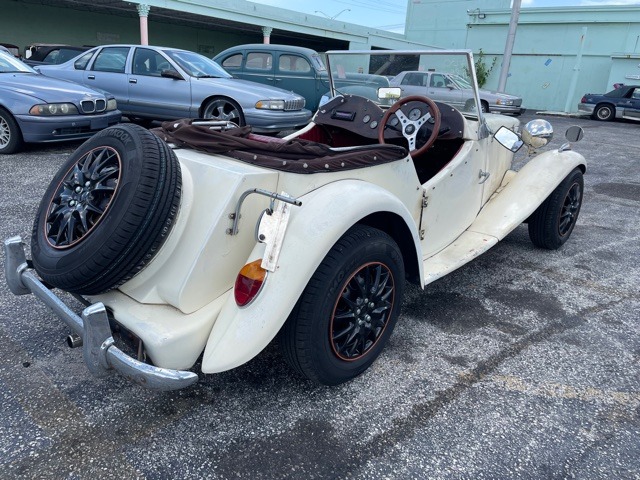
[(522, 364)]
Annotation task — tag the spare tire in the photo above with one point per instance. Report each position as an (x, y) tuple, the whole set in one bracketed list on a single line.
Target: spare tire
[(107, 211)]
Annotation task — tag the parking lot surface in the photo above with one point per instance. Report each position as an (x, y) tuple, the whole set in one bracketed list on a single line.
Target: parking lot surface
[(524, 363)]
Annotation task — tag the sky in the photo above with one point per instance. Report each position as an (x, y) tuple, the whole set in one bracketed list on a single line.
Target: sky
[(390, 14)]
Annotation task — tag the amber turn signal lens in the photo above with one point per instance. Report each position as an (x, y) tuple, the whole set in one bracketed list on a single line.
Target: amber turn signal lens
[(248, 282)]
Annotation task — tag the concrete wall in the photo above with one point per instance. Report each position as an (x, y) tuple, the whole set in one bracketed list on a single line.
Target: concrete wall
[(546, 69)]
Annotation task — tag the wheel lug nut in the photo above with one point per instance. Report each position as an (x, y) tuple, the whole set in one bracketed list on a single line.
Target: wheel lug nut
[(371, 305), (358, 312), (78, 189), (72, 203), (87, 183), (367, 318)]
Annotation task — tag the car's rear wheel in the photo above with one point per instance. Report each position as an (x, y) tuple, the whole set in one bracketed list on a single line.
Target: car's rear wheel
[(348, 309), (10, 134), (604, 112), (484, 106), (552, 223), (107, 211), (224, 109)]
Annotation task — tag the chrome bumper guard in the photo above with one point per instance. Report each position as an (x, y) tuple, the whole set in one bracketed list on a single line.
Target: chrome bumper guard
[(100, 353)]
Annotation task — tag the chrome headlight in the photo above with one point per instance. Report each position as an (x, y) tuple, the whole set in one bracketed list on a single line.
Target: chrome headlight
[(537, 133), (270, 104), (504, 102), (112, 104), (50, 109)]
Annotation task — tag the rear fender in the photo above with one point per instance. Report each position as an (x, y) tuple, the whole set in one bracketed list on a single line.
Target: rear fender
[(525, 192), (240, 333)]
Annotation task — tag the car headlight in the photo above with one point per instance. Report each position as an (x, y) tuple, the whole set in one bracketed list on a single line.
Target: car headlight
[(270, 104), (112, 104), (50, 109), (504, 102)]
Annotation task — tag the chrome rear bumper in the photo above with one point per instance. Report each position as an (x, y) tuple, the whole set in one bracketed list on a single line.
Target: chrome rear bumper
[(100, 353)]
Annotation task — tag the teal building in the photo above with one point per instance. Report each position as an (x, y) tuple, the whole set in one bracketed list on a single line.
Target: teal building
[(559, 53)]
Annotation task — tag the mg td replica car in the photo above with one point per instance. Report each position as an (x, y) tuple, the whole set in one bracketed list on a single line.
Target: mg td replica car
[(199, 243)]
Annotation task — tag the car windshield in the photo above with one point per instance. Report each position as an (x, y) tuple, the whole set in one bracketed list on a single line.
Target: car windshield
[(10, 64), (363, 72), (197, 65)]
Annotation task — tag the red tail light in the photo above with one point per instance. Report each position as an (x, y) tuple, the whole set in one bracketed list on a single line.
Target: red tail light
[(248, 282), (583, 100)]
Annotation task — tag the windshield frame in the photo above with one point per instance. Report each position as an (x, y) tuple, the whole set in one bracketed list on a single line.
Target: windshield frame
[(470, 66)]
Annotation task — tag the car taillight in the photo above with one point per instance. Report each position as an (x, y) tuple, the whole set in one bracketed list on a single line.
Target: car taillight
[(248, 282), (583, 100)]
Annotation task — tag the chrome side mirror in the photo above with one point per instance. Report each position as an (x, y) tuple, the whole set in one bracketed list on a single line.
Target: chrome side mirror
[(508, 139), (537, 133), (574, 134)]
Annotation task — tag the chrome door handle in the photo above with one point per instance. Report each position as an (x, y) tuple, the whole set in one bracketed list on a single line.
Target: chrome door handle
[(91, 77), (133, 80), (484, 176)]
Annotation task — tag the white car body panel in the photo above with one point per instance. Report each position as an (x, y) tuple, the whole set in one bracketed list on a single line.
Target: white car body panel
[(326, 214), (188, 273)]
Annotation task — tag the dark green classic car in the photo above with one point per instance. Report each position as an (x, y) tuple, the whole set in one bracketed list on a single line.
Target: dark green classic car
[(298, 69)]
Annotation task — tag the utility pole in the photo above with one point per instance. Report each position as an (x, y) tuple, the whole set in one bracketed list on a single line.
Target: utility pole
[(508, 48)]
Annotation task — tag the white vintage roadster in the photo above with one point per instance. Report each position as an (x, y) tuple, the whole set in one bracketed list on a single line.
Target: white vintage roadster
[(199, 243)]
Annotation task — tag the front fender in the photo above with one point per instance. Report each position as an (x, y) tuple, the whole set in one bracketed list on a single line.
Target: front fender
[(525, 192), (240, 333)]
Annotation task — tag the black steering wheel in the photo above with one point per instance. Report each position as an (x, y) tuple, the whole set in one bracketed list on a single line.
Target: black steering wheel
[(410, 127)]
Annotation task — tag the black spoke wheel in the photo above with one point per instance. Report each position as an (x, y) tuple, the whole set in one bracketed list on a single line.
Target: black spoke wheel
[(553, 221), (362, 311), (107, 211), (348, 310), (83, 197)]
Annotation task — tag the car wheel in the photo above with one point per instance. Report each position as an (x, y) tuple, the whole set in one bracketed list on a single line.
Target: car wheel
[(604, 112), (224, 109), (553, 221), (107, 211), (484, 106), (348, 309), (10, 134)]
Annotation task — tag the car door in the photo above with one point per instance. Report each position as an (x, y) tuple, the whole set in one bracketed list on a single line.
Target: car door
[(632, 105), (259, 67), (453, 198), (414, 83), (441, 89), (107, 72), (295, 73), (150, 94)]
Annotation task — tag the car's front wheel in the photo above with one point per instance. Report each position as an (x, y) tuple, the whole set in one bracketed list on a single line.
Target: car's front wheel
[(604, 112), (10, 134), (552, 223), (348, 309), (224, 109)]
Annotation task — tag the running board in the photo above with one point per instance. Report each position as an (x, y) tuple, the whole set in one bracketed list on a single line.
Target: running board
[(465, 248)]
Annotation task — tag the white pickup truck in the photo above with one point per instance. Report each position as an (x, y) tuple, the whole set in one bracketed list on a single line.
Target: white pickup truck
[(196, 245)]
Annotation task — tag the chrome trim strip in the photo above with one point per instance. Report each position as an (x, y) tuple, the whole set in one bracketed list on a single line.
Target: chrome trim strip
[(100, 353)]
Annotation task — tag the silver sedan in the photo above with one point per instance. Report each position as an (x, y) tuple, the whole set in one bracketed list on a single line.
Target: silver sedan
[(157, 83), (456, 91)]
